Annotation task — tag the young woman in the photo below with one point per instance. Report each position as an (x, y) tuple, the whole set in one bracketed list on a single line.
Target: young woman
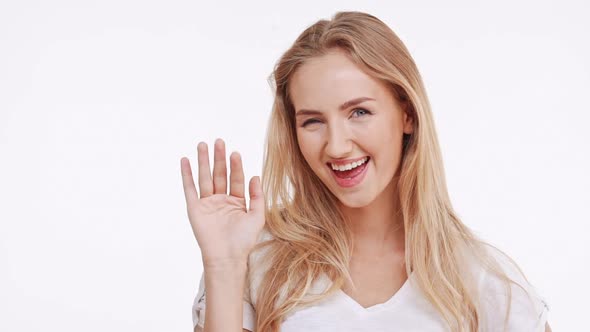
[(351, 227)]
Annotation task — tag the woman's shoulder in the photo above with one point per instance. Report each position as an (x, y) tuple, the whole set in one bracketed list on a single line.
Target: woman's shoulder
[(489, 279), (259, 261), (516, 295), (263, 246)]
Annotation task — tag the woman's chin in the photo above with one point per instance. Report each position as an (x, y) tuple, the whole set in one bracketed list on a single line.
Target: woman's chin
[(354, 202)]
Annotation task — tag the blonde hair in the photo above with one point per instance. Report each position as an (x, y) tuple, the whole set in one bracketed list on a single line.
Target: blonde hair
[(311, 236)]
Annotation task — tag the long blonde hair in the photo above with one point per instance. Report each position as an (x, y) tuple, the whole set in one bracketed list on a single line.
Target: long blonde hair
[(310, 234)]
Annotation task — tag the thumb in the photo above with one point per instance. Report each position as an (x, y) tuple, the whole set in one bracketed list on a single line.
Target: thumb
[(256, 196)]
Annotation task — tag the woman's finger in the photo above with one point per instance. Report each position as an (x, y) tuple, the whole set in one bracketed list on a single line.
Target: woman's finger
[(190, 192), (219, 168), (205, 182), (256, 196), (236, 175)]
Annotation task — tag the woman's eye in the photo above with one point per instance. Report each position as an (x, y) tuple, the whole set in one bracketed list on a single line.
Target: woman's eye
[(361, 111), (356, 113), (310, 121)]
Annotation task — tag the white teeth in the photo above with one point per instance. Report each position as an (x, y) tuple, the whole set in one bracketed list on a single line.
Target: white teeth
[(349, 166)]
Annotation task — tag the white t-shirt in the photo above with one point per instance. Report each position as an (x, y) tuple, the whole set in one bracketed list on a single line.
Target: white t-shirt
[(407, 310)]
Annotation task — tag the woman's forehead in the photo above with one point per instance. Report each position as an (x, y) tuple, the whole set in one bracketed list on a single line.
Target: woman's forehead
[(329, 80)]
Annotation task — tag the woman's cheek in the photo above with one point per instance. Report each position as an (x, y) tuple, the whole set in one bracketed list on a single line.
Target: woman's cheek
[(308, 146)]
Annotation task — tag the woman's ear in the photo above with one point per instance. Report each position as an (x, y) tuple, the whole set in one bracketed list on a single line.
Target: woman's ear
[(407, 118)]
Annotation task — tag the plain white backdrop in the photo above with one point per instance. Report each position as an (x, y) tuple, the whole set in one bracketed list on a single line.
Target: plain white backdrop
[(99, 100)]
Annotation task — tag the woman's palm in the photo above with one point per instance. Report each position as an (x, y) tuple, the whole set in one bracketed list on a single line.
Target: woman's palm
[(224, 228)]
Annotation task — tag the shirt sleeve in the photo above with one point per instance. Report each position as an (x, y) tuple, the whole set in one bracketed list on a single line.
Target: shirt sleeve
[(528, 310), (198, 311)]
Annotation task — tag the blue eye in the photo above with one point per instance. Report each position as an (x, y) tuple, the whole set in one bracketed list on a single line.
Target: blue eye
[(357, 110), (360, 111)]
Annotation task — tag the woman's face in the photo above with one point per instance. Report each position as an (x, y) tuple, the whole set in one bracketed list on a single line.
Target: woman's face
[(350, 121)]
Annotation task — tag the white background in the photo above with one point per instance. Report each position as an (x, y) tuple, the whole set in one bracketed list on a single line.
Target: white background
[(99, 100)]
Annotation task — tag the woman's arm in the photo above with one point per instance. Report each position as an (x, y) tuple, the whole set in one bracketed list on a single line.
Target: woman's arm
[(199, 329), (225, 288)]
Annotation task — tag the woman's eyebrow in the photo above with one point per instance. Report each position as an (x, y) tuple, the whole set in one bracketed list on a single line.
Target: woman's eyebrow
[(342, 107)]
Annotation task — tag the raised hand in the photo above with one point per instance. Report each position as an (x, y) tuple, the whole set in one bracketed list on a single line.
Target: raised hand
[(225, 230)]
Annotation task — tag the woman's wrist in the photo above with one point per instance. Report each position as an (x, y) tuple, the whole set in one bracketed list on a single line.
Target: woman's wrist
[(225, 266)]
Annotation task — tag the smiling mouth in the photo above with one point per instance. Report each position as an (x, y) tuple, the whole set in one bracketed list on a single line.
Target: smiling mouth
[(349, 171)]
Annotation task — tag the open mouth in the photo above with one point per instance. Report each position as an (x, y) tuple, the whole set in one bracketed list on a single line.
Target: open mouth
[(350, 174)]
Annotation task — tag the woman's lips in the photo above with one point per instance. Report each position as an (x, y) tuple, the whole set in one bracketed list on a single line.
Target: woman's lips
[(351, 177)]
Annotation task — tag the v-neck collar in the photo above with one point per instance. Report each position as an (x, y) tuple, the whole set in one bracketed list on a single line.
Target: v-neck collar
[(394, 300)]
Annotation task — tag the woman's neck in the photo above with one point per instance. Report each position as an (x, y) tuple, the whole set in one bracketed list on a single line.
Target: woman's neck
[(378, 227)]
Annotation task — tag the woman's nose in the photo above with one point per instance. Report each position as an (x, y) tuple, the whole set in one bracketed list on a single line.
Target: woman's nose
[(339, 143)]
